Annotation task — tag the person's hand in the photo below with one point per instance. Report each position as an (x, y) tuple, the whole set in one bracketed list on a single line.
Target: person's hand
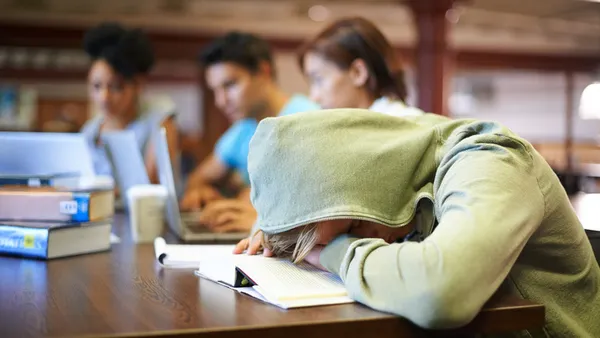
[(195, 198), (252, 245), (313, 257), (231, 215), (244, 194)]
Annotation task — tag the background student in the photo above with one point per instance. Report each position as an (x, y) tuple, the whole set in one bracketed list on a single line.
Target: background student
[(351, 64), (121, 61), (241, 73)]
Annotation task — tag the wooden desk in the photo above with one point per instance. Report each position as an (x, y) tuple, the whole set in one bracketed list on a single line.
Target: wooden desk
[(124, 293)]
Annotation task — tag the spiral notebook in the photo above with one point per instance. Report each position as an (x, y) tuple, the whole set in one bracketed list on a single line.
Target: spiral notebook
[(271, 280)]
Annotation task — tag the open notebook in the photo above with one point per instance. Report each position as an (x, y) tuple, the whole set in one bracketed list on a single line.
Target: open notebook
[(272, 280)]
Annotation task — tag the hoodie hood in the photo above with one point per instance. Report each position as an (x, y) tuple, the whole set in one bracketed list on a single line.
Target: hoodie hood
[(341, 163)]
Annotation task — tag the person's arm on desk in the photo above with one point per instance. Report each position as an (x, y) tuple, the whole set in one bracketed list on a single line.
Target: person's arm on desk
[(230, 215), (444, 281), (488, 209), (216, 168), (199, 190)]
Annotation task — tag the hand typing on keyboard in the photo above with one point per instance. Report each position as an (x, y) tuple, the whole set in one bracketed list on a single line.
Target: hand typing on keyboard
[(230, 215)]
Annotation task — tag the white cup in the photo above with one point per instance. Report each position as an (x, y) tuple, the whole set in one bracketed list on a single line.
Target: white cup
[(146, 204)]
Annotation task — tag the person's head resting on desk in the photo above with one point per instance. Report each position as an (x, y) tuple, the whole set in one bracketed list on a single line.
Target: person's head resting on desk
[(121, 61), (425, 218), (239, 70)]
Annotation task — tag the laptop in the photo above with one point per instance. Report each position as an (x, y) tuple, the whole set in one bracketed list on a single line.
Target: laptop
[(186, 224), (29, 153), (128, 168)]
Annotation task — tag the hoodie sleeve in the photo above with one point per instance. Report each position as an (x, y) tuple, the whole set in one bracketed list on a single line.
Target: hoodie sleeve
[(488, 204)]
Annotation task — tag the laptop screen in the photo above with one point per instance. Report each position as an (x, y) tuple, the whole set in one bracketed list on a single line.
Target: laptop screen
[(46, 153), (128, 165), (167, 179)]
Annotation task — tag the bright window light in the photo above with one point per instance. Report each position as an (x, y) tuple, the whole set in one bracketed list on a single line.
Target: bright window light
[(589, 106)]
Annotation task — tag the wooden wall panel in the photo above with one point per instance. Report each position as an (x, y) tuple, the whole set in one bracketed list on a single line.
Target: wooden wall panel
[(185, 46)]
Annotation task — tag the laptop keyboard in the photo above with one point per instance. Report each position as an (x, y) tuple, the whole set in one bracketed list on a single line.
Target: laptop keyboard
[(190, 220)]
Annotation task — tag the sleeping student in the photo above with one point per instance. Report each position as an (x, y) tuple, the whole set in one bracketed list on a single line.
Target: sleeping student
[(422, 220), (121, 61)]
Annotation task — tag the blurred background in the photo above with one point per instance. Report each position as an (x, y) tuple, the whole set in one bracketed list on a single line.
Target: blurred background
[(533, 65)]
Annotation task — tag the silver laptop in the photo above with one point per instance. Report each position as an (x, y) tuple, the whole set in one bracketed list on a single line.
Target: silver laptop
[(128, 168), (185, 225), (29, 153)]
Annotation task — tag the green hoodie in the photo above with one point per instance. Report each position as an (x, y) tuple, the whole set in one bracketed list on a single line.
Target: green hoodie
[(490, 212)]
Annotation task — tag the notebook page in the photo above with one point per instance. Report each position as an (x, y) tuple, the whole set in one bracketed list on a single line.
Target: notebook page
[(188, 255), (256, 292), (281, 280), (220, 270)]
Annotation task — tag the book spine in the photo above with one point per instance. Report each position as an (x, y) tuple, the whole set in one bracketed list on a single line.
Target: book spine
[(22, 241), (46, 207)]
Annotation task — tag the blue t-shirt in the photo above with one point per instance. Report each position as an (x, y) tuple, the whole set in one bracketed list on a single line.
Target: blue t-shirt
[(232, 147)]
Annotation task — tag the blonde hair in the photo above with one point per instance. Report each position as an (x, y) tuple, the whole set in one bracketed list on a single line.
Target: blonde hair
[(296, 243)]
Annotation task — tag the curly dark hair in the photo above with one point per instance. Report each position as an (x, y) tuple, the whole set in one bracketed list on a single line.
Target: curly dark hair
[(129, 52)]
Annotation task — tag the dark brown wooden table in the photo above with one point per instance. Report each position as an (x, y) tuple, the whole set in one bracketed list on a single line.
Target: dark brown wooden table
[(125, 293)]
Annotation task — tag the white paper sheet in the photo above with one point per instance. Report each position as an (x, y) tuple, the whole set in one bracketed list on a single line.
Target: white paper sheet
[(186, 256), (297, 303), (281, 280)]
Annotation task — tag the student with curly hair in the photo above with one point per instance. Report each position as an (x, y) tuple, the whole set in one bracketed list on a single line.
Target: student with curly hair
[(121, 61)]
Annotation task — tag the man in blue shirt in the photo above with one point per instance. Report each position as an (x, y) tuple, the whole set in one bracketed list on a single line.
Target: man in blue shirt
[(240, 71)]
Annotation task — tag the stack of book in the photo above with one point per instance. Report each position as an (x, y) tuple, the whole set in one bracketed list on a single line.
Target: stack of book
[(51, 216)]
